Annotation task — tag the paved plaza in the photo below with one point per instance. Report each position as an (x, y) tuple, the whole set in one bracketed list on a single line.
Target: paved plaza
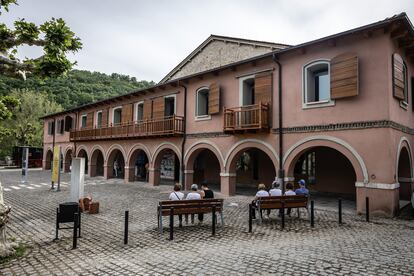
[(382, 247)]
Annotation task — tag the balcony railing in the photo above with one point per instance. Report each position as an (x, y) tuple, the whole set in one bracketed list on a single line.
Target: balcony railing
[(166, 126), (251, 117)]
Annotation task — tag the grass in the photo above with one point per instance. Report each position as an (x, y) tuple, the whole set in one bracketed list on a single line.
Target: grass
[(20, 250)]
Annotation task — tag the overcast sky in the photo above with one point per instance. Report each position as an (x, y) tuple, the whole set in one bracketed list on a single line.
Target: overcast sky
[(146, 39)]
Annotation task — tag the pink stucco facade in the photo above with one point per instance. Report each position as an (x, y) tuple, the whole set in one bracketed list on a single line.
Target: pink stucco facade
[(368, 131)]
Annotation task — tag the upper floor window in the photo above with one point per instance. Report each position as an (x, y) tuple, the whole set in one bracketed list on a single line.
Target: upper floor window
[(60, 126), (83, 121), (247, 92), (202, 96), (139, 111), (68, 123), (50, 127), (98, 119), (117, 115), (316, 84), (169, 105), (400, 80)]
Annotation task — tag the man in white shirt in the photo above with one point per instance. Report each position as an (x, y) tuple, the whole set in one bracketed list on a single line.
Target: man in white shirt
[(193, 194), (275, 191), (260, 193), (289, 192)]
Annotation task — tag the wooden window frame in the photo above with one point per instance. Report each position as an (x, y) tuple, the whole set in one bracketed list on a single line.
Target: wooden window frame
[(175, 103), (96, 119), (318, 104), (136, 110), (404, 103), (241, 80), (113, 114), (207, 116), (81, 120)]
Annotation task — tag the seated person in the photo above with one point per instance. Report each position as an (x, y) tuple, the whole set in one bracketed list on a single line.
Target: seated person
[(193, 194), (275, 191), (177, 195), (260, 193), (302, 188), (289, 192), (205, 193)]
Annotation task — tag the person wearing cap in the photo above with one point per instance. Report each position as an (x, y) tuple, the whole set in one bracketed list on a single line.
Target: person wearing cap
[(275, 191), (193, 194), (302, 190)]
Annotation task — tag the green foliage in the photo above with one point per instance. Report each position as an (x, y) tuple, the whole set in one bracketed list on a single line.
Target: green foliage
[(20, 250), (77, 88), (4, 4), (7, 105), (54, 36)]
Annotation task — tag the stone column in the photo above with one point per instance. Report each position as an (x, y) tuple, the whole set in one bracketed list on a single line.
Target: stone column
[(154, 176), (92, 170), (129, 174), (108, 172), (383, 198), (189, 174), (228, 183)]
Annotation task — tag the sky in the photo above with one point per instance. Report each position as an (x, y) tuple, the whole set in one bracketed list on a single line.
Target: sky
[(147, 39)]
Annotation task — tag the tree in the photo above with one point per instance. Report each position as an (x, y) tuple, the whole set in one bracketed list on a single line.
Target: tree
[(54, 36)]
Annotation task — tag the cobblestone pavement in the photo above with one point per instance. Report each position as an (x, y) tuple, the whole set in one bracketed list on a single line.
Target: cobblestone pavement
[(382, 247)]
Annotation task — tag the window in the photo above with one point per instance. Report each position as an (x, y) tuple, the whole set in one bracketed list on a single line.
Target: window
[(98, 122), (404, 103), (316, 84), (202, 102), (68, 123), (139, 111), (117, 115), (50, 127), (169, 105), (60, 126), (83, 121), (247, 91)]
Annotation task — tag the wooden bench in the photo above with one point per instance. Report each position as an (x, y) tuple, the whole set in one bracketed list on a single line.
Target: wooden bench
[(189, 207), (279, 202)]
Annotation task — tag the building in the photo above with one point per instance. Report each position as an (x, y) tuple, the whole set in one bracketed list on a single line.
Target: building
[(336, 111)]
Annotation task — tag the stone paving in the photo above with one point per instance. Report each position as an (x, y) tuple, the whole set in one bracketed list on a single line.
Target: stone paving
[(382, 247)]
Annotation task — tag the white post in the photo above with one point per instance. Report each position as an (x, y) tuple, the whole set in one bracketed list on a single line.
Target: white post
[(25, 163), (77, 179)]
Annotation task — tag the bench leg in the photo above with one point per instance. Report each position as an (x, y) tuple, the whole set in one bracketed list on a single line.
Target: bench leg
[(222, 219), (260, 214), (160, 224), (298, 212)]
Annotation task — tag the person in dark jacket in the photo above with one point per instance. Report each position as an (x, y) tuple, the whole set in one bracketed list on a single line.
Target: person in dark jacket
[(205, 193)]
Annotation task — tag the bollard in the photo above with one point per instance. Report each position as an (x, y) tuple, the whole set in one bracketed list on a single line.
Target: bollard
[(214, 221), (340, 211), (57, 225), (250, 218), (126, 227), (367, 209), (171, 224), (283, 215), (75, 231), (312, 214)]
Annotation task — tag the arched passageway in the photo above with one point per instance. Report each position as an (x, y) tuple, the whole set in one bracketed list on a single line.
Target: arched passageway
[(97, 163), (116, 164), (68, 161), (252, 166), (138, 166), (326, 171), (83, 154), (49, 160), (166, 167), (206, 168), (404, 174)]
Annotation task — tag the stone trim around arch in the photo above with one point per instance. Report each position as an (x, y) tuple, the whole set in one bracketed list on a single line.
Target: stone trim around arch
[(97, 147), (82, 148), (138, 146), (404, 143), (66, 151), (328, 141), (250, 143), (161, 147), (204, 144)]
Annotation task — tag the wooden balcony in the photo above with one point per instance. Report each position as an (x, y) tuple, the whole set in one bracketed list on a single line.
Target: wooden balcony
[(161, 127), (247, 118)]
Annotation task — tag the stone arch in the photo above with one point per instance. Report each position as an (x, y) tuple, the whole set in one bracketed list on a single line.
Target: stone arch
[(115, 153), (404, 169), (241, 146), (192, 151), (140, 154), (81, 147), (158, 156), (98, 147), (97, 162), (48, 159), (294, 152)]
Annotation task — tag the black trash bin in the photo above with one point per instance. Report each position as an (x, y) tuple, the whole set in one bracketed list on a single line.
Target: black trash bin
[(66, 214)]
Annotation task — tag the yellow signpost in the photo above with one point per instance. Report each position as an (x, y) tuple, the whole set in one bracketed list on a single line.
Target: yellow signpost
[(56, 164)]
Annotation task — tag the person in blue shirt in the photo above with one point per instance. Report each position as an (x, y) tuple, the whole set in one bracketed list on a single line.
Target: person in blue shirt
[(302, 190)]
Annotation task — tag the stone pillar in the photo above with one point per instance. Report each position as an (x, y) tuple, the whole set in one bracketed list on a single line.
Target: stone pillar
[(383, 198), (188, 179), (129, 174), (77, 179), (92, 170), (228, 184), (108, 172), (66, 166), (154, 176)]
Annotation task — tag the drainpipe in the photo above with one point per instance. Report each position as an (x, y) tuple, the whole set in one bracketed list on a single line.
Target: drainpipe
[(281, 172), (184, 137), (76, 129)]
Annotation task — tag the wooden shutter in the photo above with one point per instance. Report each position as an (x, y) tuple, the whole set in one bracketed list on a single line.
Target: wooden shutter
[(398, 83), (158, 107), (263, 83), (127, 113), (105, 115), (89, 120), (214, 99), (147, 109), (344, 76)]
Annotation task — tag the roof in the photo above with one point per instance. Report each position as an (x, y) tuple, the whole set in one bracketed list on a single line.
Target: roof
[(402, 18), (257, 43)]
